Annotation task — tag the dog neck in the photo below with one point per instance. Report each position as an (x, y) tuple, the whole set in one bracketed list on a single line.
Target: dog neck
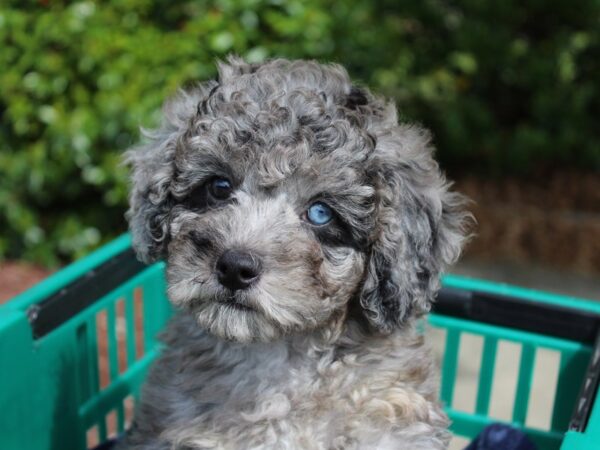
[(343, 338)]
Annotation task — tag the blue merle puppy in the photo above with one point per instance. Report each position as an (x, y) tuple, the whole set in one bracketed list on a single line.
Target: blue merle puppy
[(304, 231)]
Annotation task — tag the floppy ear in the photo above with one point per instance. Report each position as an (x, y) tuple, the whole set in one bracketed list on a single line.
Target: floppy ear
[(421, 228), (154, 163), (149, 198), (153, 171)]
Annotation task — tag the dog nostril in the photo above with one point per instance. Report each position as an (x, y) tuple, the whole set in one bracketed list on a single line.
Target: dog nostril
[(247, 274), (222, 268), (237, 269)]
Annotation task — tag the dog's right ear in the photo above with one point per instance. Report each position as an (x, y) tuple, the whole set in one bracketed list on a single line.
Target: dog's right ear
[(149, 199), (153, 171)]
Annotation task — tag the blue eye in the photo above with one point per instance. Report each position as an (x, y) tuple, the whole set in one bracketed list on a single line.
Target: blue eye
[(220, 188), (319, 213)]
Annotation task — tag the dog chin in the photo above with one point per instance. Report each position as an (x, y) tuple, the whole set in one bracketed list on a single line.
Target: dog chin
[(234, 320)]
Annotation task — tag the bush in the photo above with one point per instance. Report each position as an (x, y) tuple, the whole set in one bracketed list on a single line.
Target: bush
[(506, 88)]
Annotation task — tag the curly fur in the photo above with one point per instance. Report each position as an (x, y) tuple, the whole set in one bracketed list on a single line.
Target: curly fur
[(327, 357)]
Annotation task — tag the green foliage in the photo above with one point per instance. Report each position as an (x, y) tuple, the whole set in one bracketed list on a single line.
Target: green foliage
[(506, 88)]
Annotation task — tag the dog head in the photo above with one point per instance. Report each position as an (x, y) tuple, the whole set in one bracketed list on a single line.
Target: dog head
[(284, 198)]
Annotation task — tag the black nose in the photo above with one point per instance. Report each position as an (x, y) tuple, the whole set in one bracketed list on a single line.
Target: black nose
[(238, 269)]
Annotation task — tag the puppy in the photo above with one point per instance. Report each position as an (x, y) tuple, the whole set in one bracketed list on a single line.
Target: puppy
[(304, 231)]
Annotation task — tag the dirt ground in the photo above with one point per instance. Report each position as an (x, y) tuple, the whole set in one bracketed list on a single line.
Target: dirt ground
[(551, 221), (15, 277)]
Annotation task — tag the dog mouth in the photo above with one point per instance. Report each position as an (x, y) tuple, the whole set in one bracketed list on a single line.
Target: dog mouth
[(236, 304)]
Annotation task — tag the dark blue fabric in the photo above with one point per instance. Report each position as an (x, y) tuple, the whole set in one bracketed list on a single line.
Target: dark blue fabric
[(501, 437)]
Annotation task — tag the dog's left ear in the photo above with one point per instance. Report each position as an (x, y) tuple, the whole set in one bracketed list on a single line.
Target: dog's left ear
[(421, 228)]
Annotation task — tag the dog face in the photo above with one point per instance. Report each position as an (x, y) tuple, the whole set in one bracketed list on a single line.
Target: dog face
[(258, 248), (283, 197)]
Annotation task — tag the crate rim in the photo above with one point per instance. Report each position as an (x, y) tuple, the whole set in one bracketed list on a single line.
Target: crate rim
[(66, 275)]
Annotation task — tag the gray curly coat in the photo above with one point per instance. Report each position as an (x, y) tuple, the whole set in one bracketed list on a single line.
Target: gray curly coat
[(322, 351)]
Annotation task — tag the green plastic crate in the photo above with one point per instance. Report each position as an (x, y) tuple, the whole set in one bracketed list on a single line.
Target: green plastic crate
[(75, 348)]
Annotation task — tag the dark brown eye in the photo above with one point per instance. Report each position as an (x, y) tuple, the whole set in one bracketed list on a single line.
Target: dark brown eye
[(214, 192), (220, 188)]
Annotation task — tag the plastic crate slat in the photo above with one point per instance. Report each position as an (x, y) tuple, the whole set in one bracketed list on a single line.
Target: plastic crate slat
[(130, 328), (111, 334), (449, 366), (93, 368), (524, 383), (486, 375), (83, 373)]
